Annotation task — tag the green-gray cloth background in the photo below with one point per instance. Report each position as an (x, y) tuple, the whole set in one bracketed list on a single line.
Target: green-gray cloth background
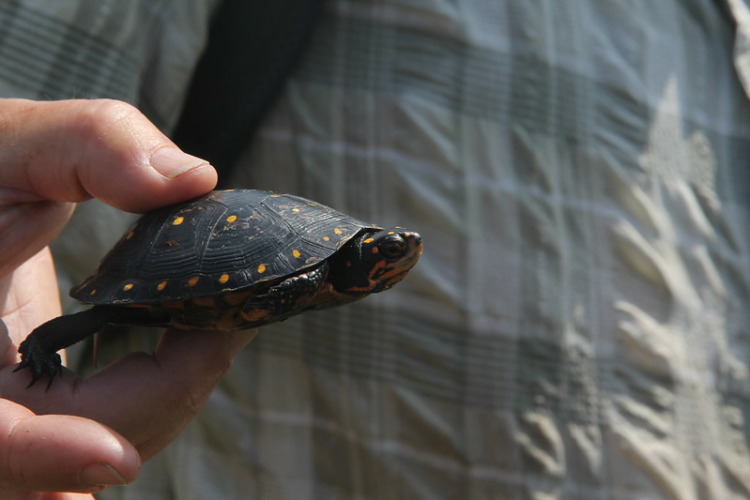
[(579, 325)]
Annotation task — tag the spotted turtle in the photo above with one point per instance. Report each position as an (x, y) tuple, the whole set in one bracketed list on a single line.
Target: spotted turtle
[(228, 260)]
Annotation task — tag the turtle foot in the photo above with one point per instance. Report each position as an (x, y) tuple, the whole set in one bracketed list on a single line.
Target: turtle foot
[(39, 360)]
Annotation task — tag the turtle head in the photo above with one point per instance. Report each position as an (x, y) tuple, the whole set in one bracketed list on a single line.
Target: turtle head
[(375, 261)]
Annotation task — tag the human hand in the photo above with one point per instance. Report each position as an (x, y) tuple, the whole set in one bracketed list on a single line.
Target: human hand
[(84, 434)]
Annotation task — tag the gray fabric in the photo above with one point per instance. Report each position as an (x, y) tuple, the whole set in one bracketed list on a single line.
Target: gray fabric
[(578, 326), (138, 51)]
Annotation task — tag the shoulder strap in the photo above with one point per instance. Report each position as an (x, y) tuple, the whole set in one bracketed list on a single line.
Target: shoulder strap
[(252, 48)]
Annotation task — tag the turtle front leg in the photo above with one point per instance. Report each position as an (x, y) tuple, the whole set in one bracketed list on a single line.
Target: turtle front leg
[(285, 299), (39, 350)]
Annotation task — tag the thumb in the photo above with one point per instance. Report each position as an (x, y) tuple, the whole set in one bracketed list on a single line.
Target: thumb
[(77, 149), (58, 152), (60, 452)]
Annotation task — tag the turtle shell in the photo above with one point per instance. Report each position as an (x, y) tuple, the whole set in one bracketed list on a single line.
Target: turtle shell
[(222, 242)]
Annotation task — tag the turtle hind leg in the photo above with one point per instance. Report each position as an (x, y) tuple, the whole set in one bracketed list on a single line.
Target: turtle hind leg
[(39, 350)]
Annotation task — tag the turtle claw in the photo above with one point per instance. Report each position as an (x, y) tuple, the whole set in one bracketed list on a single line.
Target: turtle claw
[(40, 361)]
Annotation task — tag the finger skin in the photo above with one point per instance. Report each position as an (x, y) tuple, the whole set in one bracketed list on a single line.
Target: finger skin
[(29, 297), (177, 380), (26, 229), (70, 151), (147, 398), (54, 452), (56, 153)]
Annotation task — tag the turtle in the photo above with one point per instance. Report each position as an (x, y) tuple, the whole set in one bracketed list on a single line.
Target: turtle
[(231, 259)]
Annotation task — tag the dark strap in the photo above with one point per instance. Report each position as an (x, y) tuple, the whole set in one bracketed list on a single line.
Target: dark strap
[(252, 47)]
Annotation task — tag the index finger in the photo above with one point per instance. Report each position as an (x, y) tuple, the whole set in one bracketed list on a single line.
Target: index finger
[(60, 452), (148, 399)]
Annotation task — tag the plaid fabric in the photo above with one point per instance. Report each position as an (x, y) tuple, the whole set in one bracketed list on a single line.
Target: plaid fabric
[(136, 51), (578, 326)]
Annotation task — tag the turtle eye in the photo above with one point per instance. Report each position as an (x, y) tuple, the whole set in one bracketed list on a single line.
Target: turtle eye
[(392, 248)]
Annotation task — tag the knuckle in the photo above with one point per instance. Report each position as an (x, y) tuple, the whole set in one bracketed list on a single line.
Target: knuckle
[(97, 118)]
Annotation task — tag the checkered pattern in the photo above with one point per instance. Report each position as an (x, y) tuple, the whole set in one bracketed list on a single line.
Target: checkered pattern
[(142, 52), (578, 326)]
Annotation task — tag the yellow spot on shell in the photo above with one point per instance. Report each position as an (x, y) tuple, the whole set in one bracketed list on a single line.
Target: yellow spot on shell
[(231, 218), (178, 220), (193, 281), (326, 238), (161, 286), (223, 278), (275, 196), (129, 235), (369, 240), (337, 230), (295, 210), (262, 268), (391, 232), (296, 253), (128, 287), (93, 291)]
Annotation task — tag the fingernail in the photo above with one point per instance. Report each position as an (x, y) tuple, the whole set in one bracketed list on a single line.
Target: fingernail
[(101, 473), (171, 162)]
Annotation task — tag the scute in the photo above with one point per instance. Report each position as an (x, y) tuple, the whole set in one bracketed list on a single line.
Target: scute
[(224, 241)]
